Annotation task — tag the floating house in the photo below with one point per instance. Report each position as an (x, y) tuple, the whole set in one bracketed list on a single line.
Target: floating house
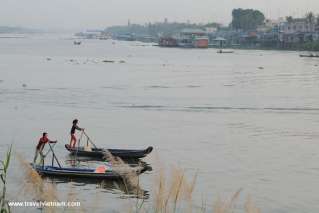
[(218, 42), (195, 38), (168, 42), (187, 38), (200, 42)]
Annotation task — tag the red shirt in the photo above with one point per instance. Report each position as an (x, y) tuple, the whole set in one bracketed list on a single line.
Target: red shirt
[(42, 142)]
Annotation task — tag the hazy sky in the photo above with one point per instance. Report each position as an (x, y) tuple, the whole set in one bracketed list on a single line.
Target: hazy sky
[(76, 14)]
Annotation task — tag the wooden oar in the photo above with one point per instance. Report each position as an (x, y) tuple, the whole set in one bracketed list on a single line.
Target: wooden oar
[(54, 156), (89, 139)]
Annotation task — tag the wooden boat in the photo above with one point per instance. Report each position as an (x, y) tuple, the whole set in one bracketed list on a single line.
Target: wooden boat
[(102, 153), (105, 171), (309, 56), (225, 51), (70, 172)]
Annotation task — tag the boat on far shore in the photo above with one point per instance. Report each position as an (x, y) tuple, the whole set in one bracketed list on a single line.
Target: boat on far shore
[(225, 51), (309, 55)]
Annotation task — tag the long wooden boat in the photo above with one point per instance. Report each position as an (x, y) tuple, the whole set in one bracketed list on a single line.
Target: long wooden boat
[(309, 56), (225, 51), (102, 153), (83, 173)]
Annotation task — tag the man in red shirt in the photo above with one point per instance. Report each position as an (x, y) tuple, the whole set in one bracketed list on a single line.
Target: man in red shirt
[(43, 140)]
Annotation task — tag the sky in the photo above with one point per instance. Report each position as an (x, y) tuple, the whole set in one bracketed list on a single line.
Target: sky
[(98, 14)]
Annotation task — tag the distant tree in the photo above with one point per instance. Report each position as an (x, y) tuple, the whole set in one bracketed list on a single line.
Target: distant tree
[(157, 29), (289, 19), (213, 24), (247, 19), (317, 20), (310, 17)]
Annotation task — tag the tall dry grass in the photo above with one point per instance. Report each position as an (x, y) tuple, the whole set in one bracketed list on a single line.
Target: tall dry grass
[(224, 206), (129, 175), (35, 187), (173, 192), (250, 206), (4, 207)]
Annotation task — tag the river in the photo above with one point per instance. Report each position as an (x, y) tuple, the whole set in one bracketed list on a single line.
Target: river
[(247, 120)]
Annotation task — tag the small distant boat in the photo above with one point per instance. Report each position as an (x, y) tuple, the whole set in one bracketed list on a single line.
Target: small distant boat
[(76, 42), (225, 51), (309, 55), (101, 153)]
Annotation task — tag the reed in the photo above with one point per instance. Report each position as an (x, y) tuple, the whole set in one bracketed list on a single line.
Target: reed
[(171, 193), (35, 186), (129, 175), (226, 206), (4, 207), (174, 193), (250, 206)]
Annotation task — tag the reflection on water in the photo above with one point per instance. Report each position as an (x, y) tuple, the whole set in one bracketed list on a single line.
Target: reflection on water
[(123, 187)]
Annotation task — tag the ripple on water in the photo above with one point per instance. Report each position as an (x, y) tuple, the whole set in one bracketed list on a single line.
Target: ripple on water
[(113, 87), (32, 89), (217, 108), (144, 106), (192, 86), (253, 108), (61, 88), (158, 87)]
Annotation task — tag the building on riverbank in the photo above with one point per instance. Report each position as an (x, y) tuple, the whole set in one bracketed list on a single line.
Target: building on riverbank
[(297, 31), (193, 38), (284, 33), (168, 41), (187, 38)]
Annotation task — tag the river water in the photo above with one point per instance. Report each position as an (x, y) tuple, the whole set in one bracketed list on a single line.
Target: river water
[(247, 120)]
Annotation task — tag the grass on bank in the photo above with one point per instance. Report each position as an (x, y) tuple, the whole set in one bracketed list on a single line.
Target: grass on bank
[(4, 207)]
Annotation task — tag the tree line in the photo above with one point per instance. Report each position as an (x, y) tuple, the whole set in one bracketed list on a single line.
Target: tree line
[(157, 29), (242, 19)]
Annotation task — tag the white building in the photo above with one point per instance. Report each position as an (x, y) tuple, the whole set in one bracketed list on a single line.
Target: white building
[(297, 30), (299, 25)]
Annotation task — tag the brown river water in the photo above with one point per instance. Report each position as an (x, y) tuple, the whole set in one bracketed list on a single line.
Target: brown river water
[(247, 120)]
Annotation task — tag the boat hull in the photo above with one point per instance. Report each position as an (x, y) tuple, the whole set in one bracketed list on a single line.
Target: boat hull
[(102, 153), (309, 56), (52, 171)]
